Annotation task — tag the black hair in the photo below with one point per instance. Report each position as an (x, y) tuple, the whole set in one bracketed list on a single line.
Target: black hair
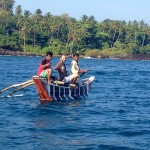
[(75, 54), (62, 55), (49, 53)]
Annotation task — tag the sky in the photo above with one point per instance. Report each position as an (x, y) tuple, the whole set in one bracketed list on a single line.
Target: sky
[(100, 9)]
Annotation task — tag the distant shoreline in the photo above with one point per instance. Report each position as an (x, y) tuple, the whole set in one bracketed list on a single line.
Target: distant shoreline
[(4, 52), (15, 53)]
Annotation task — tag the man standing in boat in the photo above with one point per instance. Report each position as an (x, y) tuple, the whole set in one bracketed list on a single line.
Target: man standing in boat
[(74, 70), (44, 69), (61, 67)]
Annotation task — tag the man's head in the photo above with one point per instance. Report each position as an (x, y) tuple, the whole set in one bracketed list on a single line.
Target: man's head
[(49, 55), (76, 56), (63, 58)]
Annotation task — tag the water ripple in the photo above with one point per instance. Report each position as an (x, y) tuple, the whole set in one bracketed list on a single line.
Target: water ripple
[(116, 116)]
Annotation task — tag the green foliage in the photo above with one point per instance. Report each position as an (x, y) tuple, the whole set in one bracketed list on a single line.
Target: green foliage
[(112, 52), (37, 33), (92, 53), (33, 50), (145, 50), (105, 52), (56, 47)]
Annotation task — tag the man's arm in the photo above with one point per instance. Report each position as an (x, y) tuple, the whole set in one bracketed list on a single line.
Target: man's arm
[(44, 64), (83, 71), (58, 66)]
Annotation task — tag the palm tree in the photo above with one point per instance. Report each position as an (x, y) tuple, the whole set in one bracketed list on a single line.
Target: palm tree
[(6, 6), (24, 25), (18, 13), (145, 34), (47, 20), (53, 29), (73, 35), (38, 16)]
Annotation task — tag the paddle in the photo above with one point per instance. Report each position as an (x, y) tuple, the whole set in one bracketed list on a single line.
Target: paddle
[(84, 72)]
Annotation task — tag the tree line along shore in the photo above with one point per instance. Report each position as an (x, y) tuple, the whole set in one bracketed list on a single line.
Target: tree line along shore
[(4, 52), (22, 32)]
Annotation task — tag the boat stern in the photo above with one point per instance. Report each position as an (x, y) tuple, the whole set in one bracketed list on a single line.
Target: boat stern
[(43, 94)]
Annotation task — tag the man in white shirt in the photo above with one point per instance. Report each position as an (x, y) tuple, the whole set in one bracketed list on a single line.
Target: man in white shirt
[(74, 70)]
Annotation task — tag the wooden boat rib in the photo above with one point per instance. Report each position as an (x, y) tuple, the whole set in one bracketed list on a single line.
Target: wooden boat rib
[(62, 92)]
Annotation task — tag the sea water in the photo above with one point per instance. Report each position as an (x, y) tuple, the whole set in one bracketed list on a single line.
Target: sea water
[(116, 116)]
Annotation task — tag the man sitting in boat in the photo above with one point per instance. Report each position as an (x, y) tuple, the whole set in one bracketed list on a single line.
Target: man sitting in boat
[(44, 69), (74, 70), (61, 67)]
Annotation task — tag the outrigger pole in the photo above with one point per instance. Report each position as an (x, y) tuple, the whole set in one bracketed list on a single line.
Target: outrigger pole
[(20, 88), (23, 85)]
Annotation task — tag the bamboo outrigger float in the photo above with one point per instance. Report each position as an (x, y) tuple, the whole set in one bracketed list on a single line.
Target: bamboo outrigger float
[(60, 91)]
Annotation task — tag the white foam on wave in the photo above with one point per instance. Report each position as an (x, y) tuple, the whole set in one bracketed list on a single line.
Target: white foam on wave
[(18, 95), (6, 55), (9, 96)]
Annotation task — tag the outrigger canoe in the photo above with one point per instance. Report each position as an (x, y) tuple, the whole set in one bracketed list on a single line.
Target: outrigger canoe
[(60, 91)]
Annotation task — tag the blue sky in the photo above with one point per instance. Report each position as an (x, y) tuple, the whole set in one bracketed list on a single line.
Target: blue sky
[(100, 9)]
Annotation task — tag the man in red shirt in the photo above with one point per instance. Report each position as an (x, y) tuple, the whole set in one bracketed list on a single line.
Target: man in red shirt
[(44, 69)]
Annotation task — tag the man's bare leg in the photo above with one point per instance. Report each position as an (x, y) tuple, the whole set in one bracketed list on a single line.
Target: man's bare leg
[(74, 78), (49, 75)]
